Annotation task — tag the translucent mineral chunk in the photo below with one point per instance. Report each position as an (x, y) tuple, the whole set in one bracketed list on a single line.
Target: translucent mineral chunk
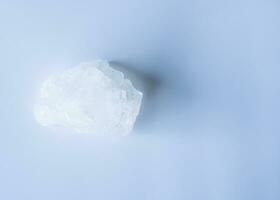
[(89, 98)]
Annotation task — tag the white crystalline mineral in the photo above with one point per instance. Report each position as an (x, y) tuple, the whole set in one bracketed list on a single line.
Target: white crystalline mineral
[(89, 98)]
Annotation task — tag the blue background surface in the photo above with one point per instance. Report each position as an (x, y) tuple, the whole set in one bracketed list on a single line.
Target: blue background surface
[(208, 130)]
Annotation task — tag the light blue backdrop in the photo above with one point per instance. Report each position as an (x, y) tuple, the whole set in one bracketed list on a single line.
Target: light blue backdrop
[(209, 128)]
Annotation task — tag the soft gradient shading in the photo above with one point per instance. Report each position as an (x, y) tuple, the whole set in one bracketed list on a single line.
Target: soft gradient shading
[(209, 128)]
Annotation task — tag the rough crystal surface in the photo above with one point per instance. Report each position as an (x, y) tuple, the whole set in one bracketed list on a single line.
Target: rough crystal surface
[(89, 98)]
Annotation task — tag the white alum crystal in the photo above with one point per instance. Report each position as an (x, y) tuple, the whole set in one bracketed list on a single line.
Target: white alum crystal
[(89, 98)]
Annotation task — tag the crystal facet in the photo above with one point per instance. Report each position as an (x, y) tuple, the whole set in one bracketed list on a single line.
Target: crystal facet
[(89, 98)]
